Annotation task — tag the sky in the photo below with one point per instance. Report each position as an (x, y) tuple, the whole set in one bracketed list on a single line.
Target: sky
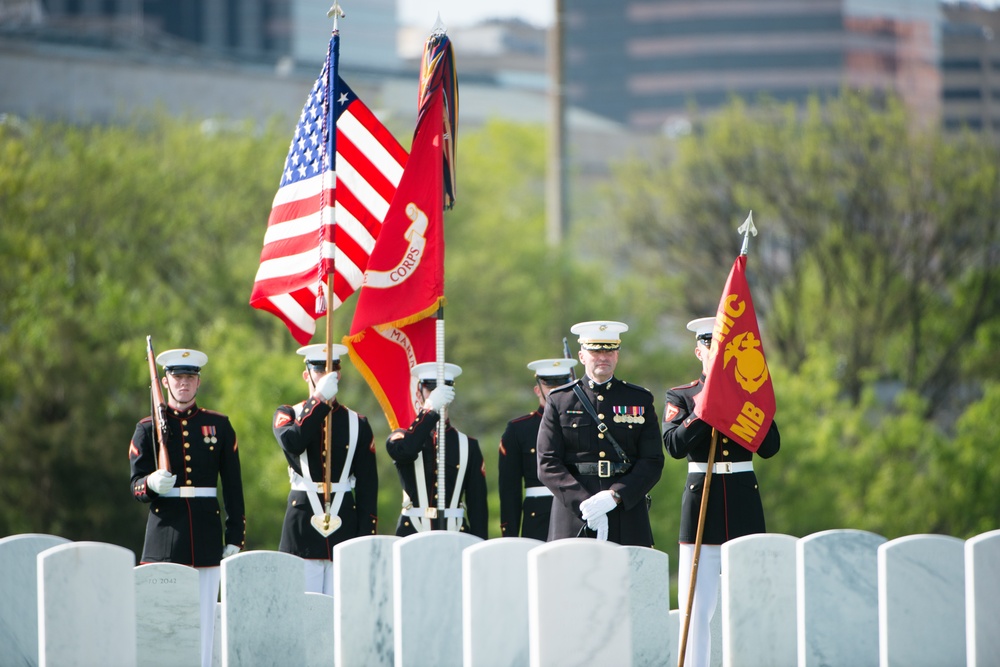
[(455, 13)]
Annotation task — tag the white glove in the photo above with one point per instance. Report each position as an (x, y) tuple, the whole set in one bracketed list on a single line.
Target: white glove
[(440, 397), (327, 386), (599, 523), (160, 481), (602, 531), (230, 550), (598, 504)]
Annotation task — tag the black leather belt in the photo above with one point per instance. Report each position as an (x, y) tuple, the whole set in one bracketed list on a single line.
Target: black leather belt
[(602, 468)]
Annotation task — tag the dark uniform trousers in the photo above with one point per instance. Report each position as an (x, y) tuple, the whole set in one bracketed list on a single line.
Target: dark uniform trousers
[(202, 448), (517, 464), (734, 506), (569, 438), (421, 437), (301, 429)]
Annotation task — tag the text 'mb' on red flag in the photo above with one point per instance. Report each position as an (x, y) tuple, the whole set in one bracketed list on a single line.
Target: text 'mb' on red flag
[(738, 397)]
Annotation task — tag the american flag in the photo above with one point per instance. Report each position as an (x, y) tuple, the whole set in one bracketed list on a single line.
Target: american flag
[(327, 212)]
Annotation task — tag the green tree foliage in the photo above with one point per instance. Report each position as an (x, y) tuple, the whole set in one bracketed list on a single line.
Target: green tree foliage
[(108, 234), (860, 214)]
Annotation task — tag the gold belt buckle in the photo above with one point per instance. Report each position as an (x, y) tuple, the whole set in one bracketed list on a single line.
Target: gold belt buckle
[(186, 492), (604, 468), (724, 467), (431, 512)]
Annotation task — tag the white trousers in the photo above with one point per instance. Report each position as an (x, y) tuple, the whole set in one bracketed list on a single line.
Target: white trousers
[(208, 582), (319, 576), (698, 652)]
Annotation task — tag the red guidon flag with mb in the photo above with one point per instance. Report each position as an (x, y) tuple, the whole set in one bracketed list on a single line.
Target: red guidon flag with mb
[(738, 398), (339, 179)]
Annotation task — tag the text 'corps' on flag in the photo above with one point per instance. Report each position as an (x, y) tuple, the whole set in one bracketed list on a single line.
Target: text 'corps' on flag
[(393, 328), (738, 398), (404, 281), (340, 176)]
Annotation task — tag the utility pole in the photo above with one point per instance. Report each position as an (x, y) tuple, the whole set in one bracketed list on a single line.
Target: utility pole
[(555, 181)]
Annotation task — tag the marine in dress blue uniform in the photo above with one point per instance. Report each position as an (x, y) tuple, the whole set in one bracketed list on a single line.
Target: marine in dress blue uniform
[(734, 505), (525, 513), (300, 430), (183, 525), (597, 491), (414, 452)]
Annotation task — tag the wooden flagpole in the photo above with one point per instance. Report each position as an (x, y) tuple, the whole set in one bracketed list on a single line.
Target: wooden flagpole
[(335, 12), (697, 547)]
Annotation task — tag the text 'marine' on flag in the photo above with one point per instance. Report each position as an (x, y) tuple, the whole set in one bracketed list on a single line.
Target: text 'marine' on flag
[(385, 356), (339, 178), (738, 397)]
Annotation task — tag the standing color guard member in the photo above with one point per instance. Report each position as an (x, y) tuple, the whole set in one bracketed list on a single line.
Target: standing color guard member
[(734, 507), (183, 525), (599, 446), (414, 451), (518, 461), (300, 431)]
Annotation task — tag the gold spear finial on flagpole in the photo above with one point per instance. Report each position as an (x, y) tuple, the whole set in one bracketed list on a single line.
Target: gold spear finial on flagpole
[(746, 229), (335, 12)]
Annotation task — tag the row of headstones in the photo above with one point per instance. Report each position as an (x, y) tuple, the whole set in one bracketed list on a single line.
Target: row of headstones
[(840, 597)]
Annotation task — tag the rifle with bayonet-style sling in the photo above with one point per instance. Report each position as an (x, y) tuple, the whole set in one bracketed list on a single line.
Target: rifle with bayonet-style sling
[(159, 410)]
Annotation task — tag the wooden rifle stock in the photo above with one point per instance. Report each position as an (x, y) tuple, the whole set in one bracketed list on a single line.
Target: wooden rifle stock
[(159, 412)]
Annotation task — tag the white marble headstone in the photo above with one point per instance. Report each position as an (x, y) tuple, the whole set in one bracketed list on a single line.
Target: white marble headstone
[(19, 596), (982, 599), (495, 602), (262, 600), (362, 601), (921, 601), (317, 621), (427, 598), (578, 606), (715, 628), (837, 598), (86, 605), (674, 631), (168, 615), (217, 642), (649, 607), (758, 582)]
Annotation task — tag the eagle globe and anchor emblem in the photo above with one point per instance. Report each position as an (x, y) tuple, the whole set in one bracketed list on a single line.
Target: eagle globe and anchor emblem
[(751, 368)]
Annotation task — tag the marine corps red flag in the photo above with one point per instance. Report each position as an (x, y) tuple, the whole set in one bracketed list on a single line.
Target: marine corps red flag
[(404, 281), (403, 286), (738, 398)]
